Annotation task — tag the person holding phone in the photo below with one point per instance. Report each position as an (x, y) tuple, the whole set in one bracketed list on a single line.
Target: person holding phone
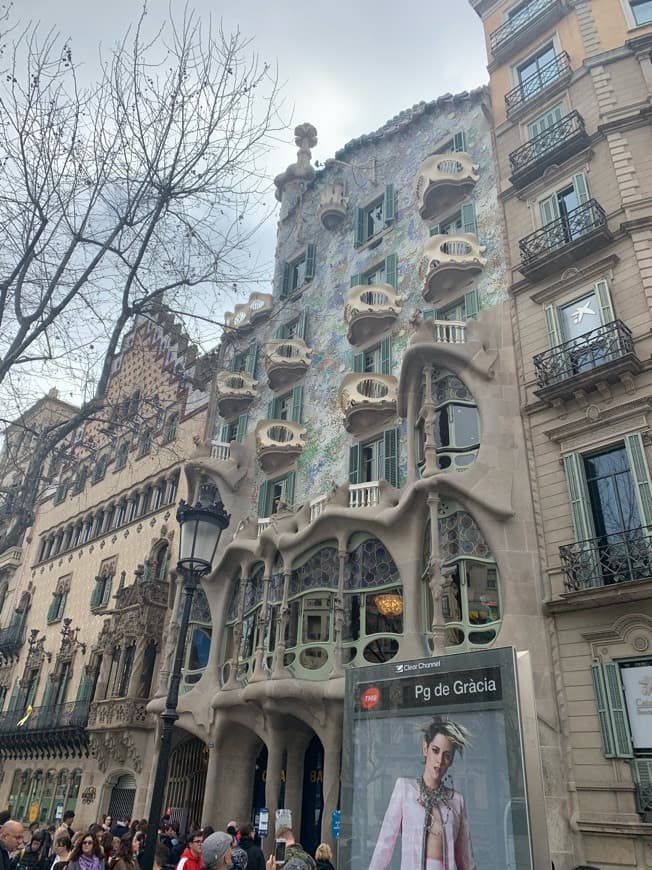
[(294, 849)]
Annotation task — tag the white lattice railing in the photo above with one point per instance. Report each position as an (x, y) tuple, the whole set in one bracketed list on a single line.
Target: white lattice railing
[(449, 331), (263, 523), (317, 506), (220, 450), (364, 494)]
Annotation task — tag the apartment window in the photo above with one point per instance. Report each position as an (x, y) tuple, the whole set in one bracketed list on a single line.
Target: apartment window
[(235, 430), (376, 359), (99, 471), (642, 11), (171, 428), (376, 459), (560, 204), (61, 492), (457, 142), (298, 272), (569, 324), (544, 122), (80, 480), (463, 221), (58, 604), (121, 456), (294, 329), (173, 485), (373, 218), (532, 75), (465, 308), (288, 406), (146, 443), (457, 423), (273, 492), (384, 272), (101, 591), (244, 362), (122, 686)]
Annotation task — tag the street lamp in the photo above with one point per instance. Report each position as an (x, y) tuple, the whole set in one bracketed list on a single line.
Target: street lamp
[(201, 528)]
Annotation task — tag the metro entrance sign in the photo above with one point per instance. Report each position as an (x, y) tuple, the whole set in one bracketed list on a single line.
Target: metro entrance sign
[(471, 799)]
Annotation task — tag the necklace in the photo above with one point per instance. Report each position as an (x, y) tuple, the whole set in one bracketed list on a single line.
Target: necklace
[(432, 800)]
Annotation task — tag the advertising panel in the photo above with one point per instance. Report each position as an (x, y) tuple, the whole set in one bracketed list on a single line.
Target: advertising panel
[(637, 684), (433, 774)]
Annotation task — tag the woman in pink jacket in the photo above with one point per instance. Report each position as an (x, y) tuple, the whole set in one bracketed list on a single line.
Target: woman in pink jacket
[(430, 816)]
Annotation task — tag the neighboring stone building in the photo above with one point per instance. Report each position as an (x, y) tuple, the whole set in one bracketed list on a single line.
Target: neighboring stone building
[(571, 85), (82, 625)]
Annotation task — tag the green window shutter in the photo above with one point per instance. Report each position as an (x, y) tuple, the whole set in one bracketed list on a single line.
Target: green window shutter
[(85, 690), (53, 609), (355, 457), (391, 270), (285, 284), (603, 710), (297, 403), (271, 409), (434, 230), (356, 279), (471, 304), (549, 208), (310, 261), (224, 433), (242, 427), (288, 488), (469, 223), (459, 141), (391, 456), (263, 499), (280, 332), (386, 355), (581, 188), (579, 497), (553, 326), (359, 221), (252, 357), (603, 296), (358, 362), (301, 325), (641, 475), (429, 314), (617, 711), (389, 204), (49, 696)]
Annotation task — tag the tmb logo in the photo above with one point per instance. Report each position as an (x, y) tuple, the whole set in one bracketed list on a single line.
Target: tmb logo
[(370, 697)]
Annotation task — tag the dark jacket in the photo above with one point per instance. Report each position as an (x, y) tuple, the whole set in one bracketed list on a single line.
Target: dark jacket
[(323, 864), (296, 850), (5, 860), (26, 859), (255, 857)]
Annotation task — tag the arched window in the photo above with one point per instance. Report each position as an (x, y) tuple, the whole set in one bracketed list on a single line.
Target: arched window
[(126, 665), (147, 673), (99, 471), (146, 442), (122, 456), (171, 428), (161, 563), (198, 644), (455, 428)]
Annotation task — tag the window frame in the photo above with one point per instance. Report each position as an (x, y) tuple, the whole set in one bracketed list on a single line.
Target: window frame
[(362, 233)]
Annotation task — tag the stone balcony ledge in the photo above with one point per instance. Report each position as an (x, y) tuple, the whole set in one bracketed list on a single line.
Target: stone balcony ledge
[(247, 314), (235, 392), (443, 181), (370, 310), (286, 360), (367, 399), (449, 263), (278, 443)]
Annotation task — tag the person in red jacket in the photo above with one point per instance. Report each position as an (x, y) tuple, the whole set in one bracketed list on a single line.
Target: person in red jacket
[(191, 857)]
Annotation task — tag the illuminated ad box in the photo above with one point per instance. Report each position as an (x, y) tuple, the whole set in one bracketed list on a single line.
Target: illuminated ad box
[(433, 774)]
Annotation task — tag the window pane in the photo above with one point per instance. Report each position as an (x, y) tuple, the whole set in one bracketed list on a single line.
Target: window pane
[(466, 426), (377, 622), (316, 619), (351, 626), (611, 491), (642, 11), (482, 593), (200, 648), (580, 317)]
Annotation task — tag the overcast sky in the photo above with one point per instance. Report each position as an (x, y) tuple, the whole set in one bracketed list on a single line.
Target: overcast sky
[(347, 65)]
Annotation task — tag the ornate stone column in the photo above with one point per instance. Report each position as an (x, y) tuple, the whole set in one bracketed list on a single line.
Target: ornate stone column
[(436, 580), (259, 668), (275, 748), (331, 785), (296, 751), (338, 667), (280, 671)]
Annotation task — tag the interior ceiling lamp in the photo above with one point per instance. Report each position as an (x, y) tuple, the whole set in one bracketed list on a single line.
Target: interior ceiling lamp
[(389, 603)]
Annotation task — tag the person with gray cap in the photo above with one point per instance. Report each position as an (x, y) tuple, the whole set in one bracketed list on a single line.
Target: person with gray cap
[(216, 850)]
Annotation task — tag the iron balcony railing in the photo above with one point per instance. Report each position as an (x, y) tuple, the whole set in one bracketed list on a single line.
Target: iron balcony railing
[(608, 559), (578, 222), (529, 15), (557, 136), (73, 715), (11, 638), (584, 353), (538, 81)]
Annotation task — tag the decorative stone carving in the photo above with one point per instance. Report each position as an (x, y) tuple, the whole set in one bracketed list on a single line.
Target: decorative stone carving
[(286, 360), (450, 263), (443, 181), (366, 399), (246, 315), (235, 391), (332, 205), (370, 310), (305, 136), (119, 713), (278, 442), (115, 749)]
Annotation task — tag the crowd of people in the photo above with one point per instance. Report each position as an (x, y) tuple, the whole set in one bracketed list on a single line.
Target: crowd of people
[(109, 845)]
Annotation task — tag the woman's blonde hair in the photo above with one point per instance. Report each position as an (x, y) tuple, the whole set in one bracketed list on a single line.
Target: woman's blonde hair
[(323, 852)]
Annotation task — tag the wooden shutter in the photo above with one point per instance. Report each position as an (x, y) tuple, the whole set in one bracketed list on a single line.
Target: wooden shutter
[(85, 689), (356, 279), (617, 711), (301, 325), (549, 209), (603, 296), (579, 497), (391, 270), (358, 225), (355, 458), (386, 355), (242, 427), (297, 402), (358, 362), (553, 326), (272, 409), (50, 694), (310, 261), (471, 304), (224, 433), (285, 283), (469, 223), (429, 314), (252, 357), (581, 188), (391, 456), (389, 204), (288, 488), (602, 703), (459, 141), (434, 230), (263, 499), (640, 475), (545, 121), (280, 332)]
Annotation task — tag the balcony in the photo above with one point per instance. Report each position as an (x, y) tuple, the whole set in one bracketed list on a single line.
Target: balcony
[(367, 399), (12, 639), (552, 147), (370, 310), (564, 241), (220, 450), (332, 205), (286, 360), (278, 443), (11, 558), (444, 180), (363, 495), (622, 557), (549, 78), (602, 355), (642, 776), (235, 392), (120, 713), (449, 331), (450, 263), (46, 732), (519, 30), (248, 314)]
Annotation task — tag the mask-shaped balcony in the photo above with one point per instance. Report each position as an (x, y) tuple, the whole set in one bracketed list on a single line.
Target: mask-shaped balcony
[(286, 360), (332, 205), (235, 392), (278, 443), (367, 399), (370, 311), (450, 263), (444, 180), (248, 314)]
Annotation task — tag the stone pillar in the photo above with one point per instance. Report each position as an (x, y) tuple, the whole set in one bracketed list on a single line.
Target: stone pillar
[(331, 786), (260, 672), (280, 671), (296, 747), (275, 747), (213, 791), (436, 581), (137, 667), (338, 667)]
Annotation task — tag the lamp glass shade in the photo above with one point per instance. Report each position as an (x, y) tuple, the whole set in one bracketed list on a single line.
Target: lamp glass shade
[(200, 535)]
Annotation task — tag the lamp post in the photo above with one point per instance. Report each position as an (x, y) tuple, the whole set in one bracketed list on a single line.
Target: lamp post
[(201, 528)]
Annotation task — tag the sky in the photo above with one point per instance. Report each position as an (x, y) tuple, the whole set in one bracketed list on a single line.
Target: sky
[(346, 66)]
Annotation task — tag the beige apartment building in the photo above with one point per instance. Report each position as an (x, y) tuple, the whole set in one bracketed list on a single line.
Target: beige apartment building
[(571, 88)]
